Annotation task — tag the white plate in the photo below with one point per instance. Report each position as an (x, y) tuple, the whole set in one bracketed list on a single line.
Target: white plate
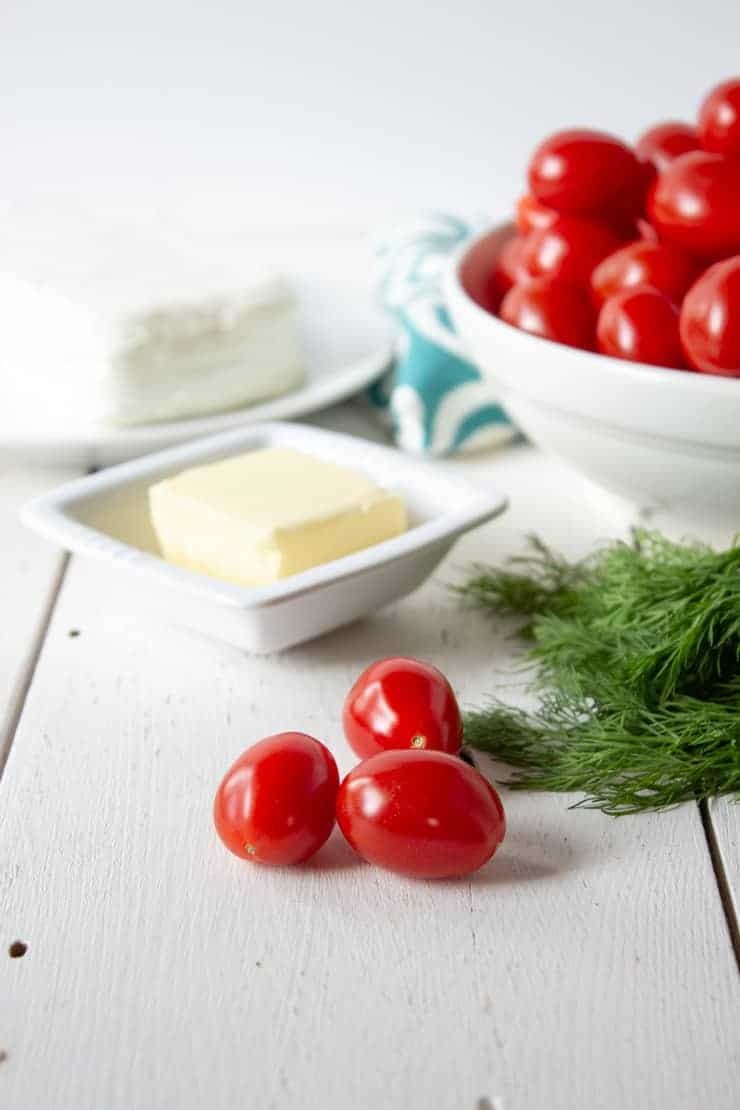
[(106, 516), (347, 341)]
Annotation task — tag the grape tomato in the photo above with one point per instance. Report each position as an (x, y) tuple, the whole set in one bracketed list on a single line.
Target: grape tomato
[(641, 325), (421, 813), (401, 703), (551, 310), (276, 804), (710, 320)]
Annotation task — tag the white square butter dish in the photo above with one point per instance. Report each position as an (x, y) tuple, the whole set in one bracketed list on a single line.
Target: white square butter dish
[(106, 516)]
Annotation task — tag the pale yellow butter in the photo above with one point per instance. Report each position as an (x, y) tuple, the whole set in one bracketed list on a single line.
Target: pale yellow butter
[(265, 515)]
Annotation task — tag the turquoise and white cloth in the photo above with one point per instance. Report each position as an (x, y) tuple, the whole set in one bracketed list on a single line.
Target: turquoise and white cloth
[(435, 399)]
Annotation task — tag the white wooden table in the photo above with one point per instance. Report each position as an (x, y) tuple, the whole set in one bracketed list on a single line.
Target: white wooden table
[(590, 964)]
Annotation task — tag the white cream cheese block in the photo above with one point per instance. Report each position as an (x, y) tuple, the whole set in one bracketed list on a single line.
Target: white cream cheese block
[(268, 514), (194, 357), (160, 355)]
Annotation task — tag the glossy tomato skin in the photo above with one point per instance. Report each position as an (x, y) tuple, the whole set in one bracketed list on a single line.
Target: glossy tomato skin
[(719, 119), (694, 204), (532, 215), (669, 269), (664, 142), (421, 813), (508, 271), (646, 233), (584, 172), (276, 804), (402, 703), (710, 320), (569, 249), (641, 325), (551, 310)]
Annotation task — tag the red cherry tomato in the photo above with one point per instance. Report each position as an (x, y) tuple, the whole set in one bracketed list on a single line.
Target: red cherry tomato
[(695, 204), (641, 325), (402, 703), (710, 320), (531, 215), (426, 814), (586, 173), (507, 272), (551, 310), (719, 119), (666, 268), (478, 274), (276, 804), (646, 232), (568, 250), (659, 145)]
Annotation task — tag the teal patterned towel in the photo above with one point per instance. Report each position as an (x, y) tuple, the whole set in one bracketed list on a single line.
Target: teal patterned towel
[(435, 399)]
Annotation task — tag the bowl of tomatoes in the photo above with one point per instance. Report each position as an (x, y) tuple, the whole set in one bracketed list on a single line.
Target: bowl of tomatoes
[(607, 311)]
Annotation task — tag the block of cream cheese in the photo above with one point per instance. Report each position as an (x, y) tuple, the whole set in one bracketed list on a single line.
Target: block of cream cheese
[(205, 355), (164, 352), (267, 514)]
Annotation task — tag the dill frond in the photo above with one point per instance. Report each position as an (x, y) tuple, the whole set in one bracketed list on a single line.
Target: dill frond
[(638, 666)]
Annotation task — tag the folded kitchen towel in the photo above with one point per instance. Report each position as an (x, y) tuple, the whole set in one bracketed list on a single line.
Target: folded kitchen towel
[(435, 399)]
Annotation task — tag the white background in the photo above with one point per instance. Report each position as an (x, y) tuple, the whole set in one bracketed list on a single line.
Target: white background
[(330, 113)]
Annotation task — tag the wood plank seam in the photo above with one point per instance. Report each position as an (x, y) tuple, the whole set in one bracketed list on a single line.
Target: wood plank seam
[(17, 701), (721, 877)]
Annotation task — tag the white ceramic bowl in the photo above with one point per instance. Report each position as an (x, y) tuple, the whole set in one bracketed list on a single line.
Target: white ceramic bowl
[(106, 516), (665, 439)]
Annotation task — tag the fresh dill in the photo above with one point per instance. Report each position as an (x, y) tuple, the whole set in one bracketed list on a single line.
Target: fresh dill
[(637, 651)]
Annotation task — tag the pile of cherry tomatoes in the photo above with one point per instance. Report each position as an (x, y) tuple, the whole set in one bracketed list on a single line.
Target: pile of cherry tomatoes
[(411, 805), (633, 252)]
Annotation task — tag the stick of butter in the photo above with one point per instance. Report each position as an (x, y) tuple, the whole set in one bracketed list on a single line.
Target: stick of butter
[(261, 516)]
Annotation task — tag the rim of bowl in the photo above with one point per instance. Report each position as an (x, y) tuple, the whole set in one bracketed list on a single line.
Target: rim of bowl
[(637, 373)]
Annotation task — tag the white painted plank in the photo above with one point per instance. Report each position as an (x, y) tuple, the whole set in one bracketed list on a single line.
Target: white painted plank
[(724, 814), (587, 966), (29, 571)]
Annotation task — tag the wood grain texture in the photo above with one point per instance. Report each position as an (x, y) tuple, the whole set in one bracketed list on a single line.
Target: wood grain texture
[(587, 966), (724, 814), (29, 570)]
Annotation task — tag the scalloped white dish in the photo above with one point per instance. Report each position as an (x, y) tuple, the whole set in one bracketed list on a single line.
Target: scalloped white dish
[(106, 517)]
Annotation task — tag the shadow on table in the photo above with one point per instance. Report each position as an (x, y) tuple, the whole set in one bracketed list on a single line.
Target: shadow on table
[(521, 859), (442, 628), (336, 855), (534, 856)]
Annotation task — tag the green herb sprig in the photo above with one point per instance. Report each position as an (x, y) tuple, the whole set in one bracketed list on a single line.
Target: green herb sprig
[(638, 664)]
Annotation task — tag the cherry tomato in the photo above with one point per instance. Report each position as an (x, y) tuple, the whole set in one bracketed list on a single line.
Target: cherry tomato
[(667, 268), (568, 250), (646, 232), (719, 119), (710, 320), (276, 804), (531, 215), (426, 814), (402, 703), (478, 270), (551, 310), (586, 173), (507, 272), (694, 204), (659, 145), (641, 325)]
